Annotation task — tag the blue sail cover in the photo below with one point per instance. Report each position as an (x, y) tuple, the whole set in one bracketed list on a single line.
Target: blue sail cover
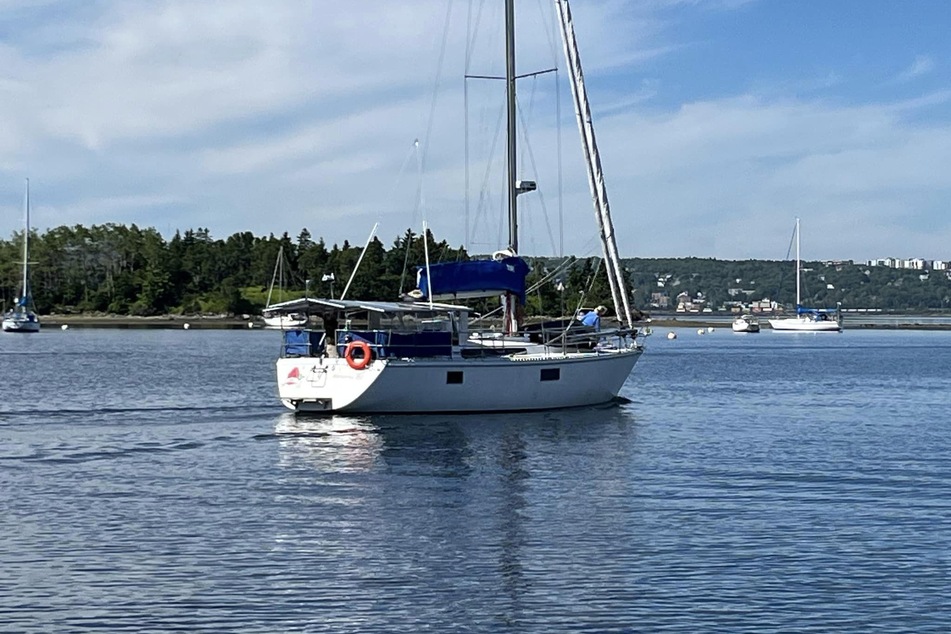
[(475, 278), (819, 314), (802, 310)]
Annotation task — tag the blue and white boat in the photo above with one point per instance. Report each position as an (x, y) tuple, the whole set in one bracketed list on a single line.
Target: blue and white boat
[(807, 319), (420, 355), (22, 317)]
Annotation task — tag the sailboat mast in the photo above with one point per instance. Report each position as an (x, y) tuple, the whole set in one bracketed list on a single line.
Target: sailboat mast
[(510, 119), (510, 301), (26, 246), (798, 267)]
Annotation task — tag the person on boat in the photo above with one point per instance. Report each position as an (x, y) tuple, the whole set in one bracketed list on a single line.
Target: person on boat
[(593, 318)]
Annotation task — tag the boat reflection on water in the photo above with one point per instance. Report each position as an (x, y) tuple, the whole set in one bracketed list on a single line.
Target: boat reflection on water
[(338, 443), (401, 500), (453, 446)]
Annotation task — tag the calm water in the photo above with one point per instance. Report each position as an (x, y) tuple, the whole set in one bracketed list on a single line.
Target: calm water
[(149, 481)]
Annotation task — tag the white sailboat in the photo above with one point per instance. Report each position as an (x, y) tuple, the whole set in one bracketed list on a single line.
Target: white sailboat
[(421, 356), (277, 319), (284, 322), (22, 317), (807, 319)]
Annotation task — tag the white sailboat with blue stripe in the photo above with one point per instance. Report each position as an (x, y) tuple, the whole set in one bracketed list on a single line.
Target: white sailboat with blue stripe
[(807, 319)]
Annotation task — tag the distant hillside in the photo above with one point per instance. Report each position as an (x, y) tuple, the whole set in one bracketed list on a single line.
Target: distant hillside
[(723, 282)]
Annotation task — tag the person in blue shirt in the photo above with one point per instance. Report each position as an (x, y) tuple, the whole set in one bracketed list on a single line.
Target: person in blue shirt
[(593, 318)]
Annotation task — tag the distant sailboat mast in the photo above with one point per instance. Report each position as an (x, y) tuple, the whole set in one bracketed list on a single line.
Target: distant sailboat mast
[(599, 192), (798, 268), (25, 291)]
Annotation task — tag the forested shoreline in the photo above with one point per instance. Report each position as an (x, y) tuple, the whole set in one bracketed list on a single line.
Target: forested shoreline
[(127, 270)]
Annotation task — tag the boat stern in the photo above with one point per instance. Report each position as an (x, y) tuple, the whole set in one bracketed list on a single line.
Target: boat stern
[(323, 384)]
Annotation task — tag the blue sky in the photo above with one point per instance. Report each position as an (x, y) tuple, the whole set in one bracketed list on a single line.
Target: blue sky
[(719, 122)]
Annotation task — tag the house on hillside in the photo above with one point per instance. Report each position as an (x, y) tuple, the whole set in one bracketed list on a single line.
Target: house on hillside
[(688, 304), (660, 301)]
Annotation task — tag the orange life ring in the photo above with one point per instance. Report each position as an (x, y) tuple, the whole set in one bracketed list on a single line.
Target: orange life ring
[(362, 362)]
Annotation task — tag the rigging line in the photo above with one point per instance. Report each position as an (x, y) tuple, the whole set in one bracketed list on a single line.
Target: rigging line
[(578, 306), (558, 269), (414, 151), (581, 298), (476, 320), (429, 277), (409, 244), (526, 149), (782, 272), (472, 221), (792, 242), (531, 156), (594, 275), (552, 39), (558, 152), (503, 212), (588, 248), (439, 68), (571, 322), (356, 267), (471, 32), (419, 202), (531, 109), (277, 267), (483, 193), (468, 38)]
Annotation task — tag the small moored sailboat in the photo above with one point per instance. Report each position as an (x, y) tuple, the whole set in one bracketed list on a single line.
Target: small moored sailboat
[(277, 319), (22, 317), (807, 319)]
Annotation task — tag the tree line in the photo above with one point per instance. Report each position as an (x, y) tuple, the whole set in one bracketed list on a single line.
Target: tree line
[(127, 270)]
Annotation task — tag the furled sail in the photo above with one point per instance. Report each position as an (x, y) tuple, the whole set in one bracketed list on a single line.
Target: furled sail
[(593, 160)]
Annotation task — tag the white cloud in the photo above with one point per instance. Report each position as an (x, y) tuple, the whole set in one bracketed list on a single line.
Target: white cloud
[(730, 175), (921, 66), (272, 117)]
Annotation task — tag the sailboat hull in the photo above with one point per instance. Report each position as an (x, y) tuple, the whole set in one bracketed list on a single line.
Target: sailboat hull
[(804, 324), (285, 322), (21, 324), (513, 383)]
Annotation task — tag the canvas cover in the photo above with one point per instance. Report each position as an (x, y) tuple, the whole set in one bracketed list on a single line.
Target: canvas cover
[(474, 278)]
